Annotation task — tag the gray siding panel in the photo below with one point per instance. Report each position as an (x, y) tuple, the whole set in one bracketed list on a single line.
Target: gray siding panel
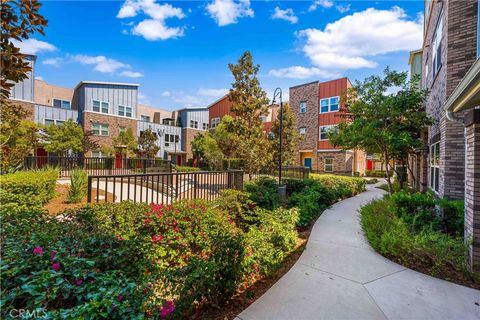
[(115, 95), (42, 112), (200, 115), (164, 129), (23, 90)]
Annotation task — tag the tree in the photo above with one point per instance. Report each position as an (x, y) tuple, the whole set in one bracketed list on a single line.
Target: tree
[(64, 138), (125, 143), (146, 145), (290, 137), (249, 103), (205, 146), (89, 142), (386, 123), (225, 138), (19, 20)]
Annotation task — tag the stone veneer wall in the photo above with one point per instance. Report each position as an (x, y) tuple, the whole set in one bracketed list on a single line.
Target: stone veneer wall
[(342, 162), (188, 135), (309, 93), (114, 124), (472, 188)]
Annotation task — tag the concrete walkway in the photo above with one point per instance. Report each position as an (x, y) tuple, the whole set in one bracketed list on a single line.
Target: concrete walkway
[(339, 276)]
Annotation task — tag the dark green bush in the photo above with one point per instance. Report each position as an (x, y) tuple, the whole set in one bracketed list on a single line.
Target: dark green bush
[(296, 185), (378, 173), (27, 190), (239, 207), (186, 169), (453, 216), (416, 209), (342, 186), (264, 192)]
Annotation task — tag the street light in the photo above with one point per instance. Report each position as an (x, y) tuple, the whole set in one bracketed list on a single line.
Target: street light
[(278, 93)]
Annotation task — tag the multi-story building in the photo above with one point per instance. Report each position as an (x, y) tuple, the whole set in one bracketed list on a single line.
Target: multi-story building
[(106, 109), (317, 107), (451, 74)]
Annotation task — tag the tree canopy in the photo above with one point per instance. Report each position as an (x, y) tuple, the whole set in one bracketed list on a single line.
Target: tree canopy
[(290, 137), (126, 143), (146, 145), (61, 139)]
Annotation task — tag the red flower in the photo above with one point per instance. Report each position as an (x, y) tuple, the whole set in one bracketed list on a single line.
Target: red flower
[(56, 266), (157, 238), (38, 250), (120, 298), (147, 221)]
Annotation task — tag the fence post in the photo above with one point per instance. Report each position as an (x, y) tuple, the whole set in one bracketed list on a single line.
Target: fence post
[(195, 189), (89, 190), (144, 166), (230, 176)]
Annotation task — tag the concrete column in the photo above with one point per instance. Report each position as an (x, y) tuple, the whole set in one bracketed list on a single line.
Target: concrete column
[(472, 188)]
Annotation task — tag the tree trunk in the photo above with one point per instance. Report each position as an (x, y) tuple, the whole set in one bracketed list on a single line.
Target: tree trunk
[(387, 171)]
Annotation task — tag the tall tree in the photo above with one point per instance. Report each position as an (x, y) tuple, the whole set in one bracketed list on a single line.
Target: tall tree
[(225, 138), (125, 143), (146, 144), (205, 146), (249, 103), (19, 20), (290, 137), (378, 121), (65, 138)]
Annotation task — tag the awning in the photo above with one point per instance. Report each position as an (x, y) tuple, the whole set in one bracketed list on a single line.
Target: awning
[(467, 94)]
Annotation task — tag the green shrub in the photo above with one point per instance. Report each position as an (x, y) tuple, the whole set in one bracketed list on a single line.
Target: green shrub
[(186, 169), (296, 185), (371, 181), (417, 210), (453, 216), (342, 186), (239, 207), (78, 186), (264, 192), (27, 190), (378, 173)]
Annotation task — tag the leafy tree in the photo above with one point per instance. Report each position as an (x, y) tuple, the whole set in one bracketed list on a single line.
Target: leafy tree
[(146, 145), (290, 137), (89, 142), (126, 143), (205, 146), (64, 138), (225, 138), (19, 20), (249, 103), (386, 123)]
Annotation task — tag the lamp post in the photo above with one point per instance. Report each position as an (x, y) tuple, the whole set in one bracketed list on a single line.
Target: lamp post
[(278, 93)]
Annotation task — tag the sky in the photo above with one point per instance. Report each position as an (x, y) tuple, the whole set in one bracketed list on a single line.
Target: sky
[(178, 51)]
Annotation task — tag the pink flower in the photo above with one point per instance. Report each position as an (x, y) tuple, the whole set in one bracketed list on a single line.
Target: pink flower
[(53, 253), (38, 250), (120, 298), (56, 266), (157, 238), (168, 309), (120, 238), (79, 282)]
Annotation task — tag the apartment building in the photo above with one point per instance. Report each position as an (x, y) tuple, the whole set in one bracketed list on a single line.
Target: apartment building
[(450, 71), (317, 107), (106, 109), (223, 106)]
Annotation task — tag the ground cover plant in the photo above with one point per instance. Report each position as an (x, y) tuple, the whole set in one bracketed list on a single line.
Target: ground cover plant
[(409, 228)]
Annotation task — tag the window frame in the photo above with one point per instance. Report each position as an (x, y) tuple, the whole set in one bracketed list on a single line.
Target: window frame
[(205, 126), (61, 103), (325, 164), (305, 106), (194, 124), (123, 112), (144, 118), (437, 47), (101, 129), (329, 107), (320, 132), (215, 122), (101, 105), (434, 167)]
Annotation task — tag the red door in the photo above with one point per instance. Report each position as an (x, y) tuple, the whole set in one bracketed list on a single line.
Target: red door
[(179, 159), (118, 161), (42, 155), (369, 164)]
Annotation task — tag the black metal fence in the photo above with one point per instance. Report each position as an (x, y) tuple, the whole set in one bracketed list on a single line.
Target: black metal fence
[(99, 166), (162, 188), (288, 172)]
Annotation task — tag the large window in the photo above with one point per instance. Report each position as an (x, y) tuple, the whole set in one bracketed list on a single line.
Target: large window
[(434, 165), (329, 104), (205, 126), (144, 118), (215, 122), (328, 165), (170, 139), (125, 111), (194, 124), (437, 48), (303, 106), (100, 106), (323, 130), (100, 129), (64, 104)]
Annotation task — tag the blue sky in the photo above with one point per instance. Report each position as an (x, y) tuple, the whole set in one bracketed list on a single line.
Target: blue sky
[(178, 51)]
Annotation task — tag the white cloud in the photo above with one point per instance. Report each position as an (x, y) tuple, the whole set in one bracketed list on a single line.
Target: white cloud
[(226, 12), (299, 72), (342, 8), (350, 42), (143, 99), (214, 93), (188, 100), (33, 46), (55, 62), (131, 74), (320, 3), (154, 27), (39, 78), (101, 63), (286, 14), (166, 94)]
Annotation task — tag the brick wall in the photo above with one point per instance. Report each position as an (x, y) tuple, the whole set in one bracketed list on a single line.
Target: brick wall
[(45, 93), (309, 93), (27, 106), (114, 124), (342, 162), (472, 190), (188, 135)]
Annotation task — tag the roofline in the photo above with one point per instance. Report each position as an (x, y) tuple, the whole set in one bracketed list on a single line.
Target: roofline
[(54, 85), (105, 82), (216, 101), (304, 84), (191, 108)]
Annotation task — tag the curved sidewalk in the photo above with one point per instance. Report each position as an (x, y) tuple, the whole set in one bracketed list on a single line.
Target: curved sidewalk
[(339, 276)]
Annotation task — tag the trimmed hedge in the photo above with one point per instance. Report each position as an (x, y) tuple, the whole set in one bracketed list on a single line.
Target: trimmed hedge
[(343, 186), (186, 169), (27, 189), (377, 173)]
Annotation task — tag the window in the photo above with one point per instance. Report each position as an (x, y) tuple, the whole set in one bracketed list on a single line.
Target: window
[(145, 118), (205, 126), (302, 131), (215, 122), (98, 154), (171, 138), (434, 165), (121, 111), (64, 104), (194, 124), (303, 106), (49, 122), (437, 48), (329, 104), (59, 122), (328, 165), (100, 106), (128, 112), (323, 132), (263, 118), (100, 129)]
